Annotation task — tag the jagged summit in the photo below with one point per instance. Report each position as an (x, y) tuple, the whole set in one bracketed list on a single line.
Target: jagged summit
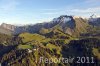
[(63, 18), (8, 26), (73, 25), (64, 22)]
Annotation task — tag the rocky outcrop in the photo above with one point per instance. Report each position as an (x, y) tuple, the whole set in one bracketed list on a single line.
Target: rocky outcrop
[(8, 26)]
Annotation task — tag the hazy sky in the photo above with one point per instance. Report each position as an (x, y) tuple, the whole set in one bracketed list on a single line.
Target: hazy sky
[(34, 11)]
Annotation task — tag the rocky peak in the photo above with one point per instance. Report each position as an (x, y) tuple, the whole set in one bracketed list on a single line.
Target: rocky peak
[(63, 18), (8, 26)]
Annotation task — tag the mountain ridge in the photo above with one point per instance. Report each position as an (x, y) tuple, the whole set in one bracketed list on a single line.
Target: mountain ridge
[(73, 25)]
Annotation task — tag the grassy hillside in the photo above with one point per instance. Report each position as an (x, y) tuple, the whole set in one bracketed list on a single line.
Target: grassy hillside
[(28, 48), (29, 37)]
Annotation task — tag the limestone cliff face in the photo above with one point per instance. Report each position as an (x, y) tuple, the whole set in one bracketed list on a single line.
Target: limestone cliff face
[(8, 26), (71, 24)]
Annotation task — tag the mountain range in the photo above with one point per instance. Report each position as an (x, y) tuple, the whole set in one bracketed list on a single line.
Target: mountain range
[(63, 37), (72, 25)]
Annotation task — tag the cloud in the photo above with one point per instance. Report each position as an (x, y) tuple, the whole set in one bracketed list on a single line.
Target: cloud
[(92, 1), (50, 13), (49, 9), (74, 10), (88, 10), (8, 5), (84, 12)]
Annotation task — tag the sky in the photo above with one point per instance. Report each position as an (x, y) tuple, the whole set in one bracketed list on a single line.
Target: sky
[(38, 11)]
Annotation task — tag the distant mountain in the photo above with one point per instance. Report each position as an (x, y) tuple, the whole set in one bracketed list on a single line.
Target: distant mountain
[(68, 24), (94, 21), (7, 28)]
